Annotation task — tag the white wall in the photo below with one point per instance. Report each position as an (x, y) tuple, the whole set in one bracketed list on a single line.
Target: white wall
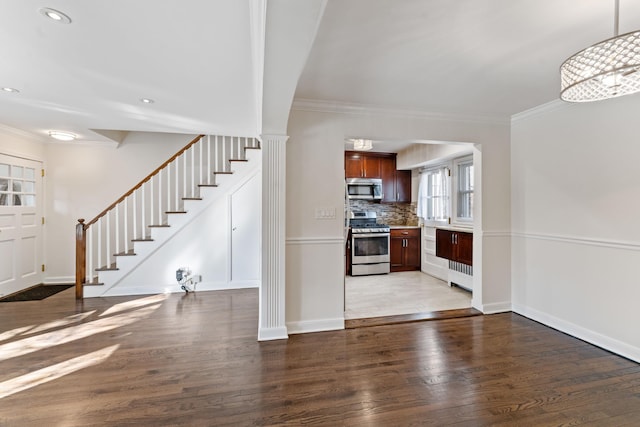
[(83, 179), (575, 210), (417, 155), (204, 243), (17, 143), (315, 178)]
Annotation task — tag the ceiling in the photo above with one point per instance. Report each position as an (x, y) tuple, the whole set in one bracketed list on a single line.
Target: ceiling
[(195, 59), (486, 58), (90, 75)]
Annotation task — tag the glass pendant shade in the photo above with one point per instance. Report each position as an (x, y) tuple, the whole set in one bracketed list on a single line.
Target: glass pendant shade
[(605, 70), (362, 144)]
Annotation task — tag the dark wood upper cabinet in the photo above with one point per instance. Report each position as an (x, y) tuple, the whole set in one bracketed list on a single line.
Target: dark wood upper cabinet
[(353, 166), (388, 175), (455, 246), (403, 186), (396, 185), (360, 165)]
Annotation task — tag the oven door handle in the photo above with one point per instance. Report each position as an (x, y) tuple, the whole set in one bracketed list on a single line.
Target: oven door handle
[(366, 235)]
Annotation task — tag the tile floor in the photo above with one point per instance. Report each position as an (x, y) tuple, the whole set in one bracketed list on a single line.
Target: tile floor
[(400, 293)]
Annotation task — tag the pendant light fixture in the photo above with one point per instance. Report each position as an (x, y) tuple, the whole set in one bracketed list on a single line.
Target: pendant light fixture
[(605, 70), (362, 144)]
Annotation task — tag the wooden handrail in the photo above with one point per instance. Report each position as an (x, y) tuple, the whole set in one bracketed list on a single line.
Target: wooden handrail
[(147, 178)]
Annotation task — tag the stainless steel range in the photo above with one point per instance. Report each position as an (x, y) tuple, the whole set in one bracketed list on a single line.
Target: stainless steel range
[(369, 245)]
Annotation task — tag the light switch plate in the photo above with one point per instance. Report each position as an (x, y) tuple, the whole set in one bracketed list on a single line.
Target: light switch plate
[(325, 213)]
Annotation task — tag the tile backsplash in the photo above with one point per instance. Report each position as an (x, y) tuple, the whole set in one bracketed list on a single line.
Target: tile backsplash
[(388, 213)]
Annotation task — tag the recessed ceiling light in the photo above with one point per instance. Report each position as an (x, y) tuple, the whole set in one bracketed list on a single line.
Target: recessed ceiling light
[(55, 15), (10, 89), (147, 100), (62, 136)]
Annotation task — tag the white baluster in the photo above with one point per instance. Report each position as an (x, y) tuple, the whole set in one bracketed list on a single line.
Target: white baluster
[(209, 156), (99, 224), (184, 174), (134, 216), (143, 219), (193, 171), (126, 224), (201, 165), (117, 219), (107, 237), (169, 186), (160, 193), (216, 154), (177, 184), (89, 254), (151, 202)]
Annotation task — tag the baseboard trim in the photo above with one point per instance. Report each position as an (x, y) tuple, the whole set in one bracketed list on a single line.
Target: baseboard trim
[(270, 334), (168, 289), (496, 307), (59, 280), (306, 326), (221, 286), (610, 344)]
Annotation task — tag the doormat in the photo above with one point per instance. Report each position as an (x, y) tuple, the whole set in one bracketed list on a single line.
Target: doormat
[(35, 293)]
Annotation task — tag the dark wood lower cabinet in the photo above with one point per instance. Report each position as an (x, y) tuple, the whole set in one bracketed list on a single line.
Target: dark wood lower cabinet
[(455, 246), (405, 249)]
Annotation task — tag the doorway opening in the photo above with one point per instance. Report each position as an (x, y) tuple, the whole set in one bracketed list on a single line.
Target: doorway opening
[(421, 284)]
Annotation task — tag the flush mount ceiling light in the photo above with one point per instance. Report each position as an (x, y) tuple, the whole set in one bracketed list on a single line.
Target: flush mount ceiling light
[(10, 89), (147, 100), (62, 136), (362, 144), (54, 15), (605, 70)]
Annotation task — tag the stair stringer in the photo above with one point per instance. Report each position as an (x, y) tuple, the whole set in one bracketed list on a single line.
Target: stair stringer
[(115, 283)]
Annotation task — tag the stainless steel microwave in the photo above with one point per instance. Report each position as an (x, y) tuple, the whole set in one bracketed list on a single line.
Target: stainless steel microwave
[(364, 188)]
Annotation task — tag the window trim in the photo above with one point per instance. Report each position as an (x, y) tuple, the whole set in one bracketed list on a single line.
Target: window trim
[(455, 219), (436, 168)]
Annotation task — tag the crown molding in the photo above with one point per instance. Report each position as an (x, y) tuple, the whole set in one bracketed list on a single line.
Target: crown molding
[(322, 106), (22, 134), (548, 107)]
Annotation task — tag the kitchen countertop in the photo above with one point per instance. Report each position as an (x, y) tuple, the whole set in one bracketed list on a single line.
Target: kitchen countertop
[(403, 226), (453, 228)]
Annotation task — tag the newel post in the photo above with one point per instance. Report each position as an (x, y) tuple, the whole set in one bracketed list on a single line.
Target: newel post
[(81, 247)]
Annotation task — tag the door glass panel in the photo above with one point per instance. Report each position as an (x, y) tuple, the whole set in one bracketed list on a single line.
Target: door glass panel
[(15, 191), (16, 171), (29, 200)]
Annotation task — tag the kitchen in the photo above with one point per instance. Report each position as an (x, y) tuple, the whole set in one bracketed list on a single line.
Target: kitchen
[(391, 265)]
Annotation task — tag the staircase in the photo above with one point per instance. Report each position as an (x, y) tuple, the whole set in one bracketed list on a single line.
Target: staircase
[(130, 230)]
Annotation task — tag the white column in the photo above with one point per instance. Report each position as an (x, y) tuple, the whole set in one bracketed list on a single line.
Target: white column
[(271, 325)]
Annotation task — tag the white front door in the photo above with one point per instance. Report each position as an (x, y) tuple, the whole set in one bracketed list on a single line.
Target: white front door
[(20, 224)]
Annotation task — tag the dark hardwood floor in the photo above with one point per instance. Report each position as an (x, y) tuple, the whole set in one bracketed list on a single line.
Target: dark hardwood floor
[(194, 360)]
